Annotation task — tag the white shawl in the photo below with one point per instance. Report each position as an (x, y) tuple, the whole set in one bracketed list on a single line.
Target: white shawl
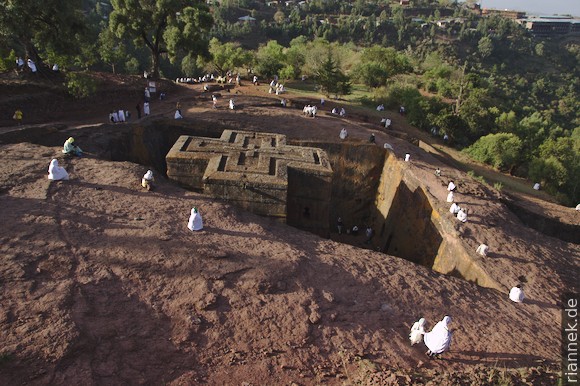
[(439, 339), (417, 331), (56, 172), (195, 221)]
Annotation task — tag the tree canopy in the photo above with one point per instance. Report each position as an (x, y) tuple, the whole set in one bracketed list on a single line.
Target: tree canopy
[(164, 26)]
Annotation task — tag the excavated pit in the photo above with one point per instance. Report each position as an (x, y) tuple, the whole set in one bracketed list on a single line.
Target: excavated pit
[(369, 187)]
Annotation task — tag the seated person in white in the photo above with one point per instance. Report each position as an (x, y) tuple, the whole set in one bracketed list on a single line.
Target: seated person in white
[(517, 294), (195, 221), (342, 112), (380, 107), (537, 186), (439, 339), (578, 207), (454, 208), (56, 172), (178, 114), (482, 250), (343, 133), (147, 180), (70, 149), (334, 111), (462, 215), (450, 197), (417, 332)]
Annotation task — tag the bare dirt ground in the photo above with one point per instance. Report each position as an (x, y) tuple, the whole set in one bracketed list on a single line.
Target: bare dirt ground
[(102, 283)]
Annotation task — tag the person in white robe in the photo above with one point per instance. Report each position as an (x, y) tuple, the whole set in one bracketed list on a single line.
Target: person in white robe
[(121, 115), (334, 111), (537, 186), (454, 208), (195, 221), (178, 114), (31, 65), (146, 109), (147, 180), (407, 157), (462, 215), (232, 104), (380, 107), (70, 148), (147, 94), (388, 146), (343, 133), (55, 172), (517, 294), (451, 187), (115, 116), (450, 197), (342, 112), (578, 207), (482, 250), (417, 332), (438, 340)]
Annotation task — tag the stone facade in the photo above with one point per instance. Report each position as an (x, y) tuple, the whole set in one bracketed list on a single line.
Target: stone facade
[(258, 172)]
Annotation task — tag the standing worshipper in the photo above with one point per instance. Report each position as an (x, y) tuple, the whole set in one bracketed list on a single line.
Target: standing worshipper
[(146, 110), (417, 332), (232, 105), (19, 64), (439, 339), (214, 101), (69, 148), (147, 94), (121, 115), (55, 172), (115, 116), (18, 116), (32, 65), (450, 197), (195, 221)]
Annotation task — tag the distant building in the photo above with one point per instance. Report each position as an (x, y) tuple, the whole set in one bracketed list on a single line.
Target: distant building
[(508, 14), (552, 25), (246, 19)]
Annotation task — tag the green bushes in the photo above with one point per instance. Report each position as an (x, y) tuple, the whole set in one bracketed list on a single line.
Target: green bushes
[(80, 85)]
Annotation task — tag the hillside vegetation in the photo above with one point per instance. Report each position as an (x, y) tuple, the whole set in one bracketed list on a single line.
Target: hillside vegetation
[(508, 98)]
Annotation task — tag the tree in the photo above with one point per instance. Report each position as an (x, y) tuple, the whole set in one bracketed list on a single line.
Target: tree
[(41, 26), (227, 56), (163, 26), (331, 79), (270, 59), (485, 47), (501, 150)]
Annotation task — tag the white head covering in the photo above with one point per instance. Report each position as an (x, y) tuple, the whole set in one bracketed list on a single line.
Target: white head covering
[(517, 295), (450, 197), (439, 339), (461, 215), (56, 172), (148, 175), (482, 250), (454, 208), (195, 221), (451, 186)]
